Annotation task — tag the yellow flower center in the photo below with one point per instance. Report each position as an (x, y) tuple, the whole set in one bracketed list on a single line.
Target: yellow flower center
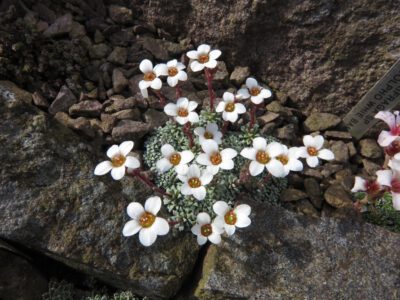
[(150, 76), (216, 158), (203, 58), (118, 160), (283, 159), (172, 71), (230, 107), (175, 159), (208, 135), (312, 151), (206, 230), (262, 157), (254, 91), (183, 112), (194, 182), (147, 219), (230, 217)]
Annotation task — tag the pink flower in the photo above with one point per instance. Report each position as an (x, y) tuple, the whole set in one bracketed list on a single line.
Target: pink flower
[(393, 120)]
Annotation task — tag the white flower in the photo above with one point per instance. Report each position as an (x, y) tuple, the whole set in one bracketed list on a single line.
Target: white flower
[(230, 110), (150, 78), (182, 111), (394, 163), (146, 221), (194, 181), (256, 93), (390, 179), (312, 150), (215, 159), (211, 132), (393, 121), (172, 158), (175, 72), (203, 58), (290, 159), (231, 218), (205, 230), (362, 185), (119, 160), (264, 156)]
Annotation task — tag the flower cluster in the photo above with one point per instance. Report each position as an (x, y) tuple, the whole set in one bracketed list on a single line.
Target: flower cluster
[(206, 157), (386, 180)]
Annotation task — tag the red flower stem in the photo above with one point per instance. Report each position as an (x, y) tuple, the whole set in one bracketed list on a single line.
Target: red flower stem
[(267, 177), (173, 223), (161, 97), (188, 133), (225, 127), (137, 173), (178, 91), (253, 115), (211, 94)]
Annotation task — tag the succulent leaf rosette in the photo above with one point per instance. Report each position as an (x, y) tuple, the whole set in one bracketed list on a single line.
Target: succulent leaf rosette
[(201, 162)]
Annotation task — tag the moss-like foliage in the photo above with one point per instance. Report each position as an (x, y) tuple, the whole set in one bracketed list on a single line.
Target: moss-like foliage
[(59, 290), (383, 214), (117, 296), (226, 185)]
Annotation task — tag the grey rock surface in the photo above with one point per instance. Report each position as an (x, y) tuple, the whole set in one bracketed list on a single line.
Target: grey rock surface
[(283, 255), (51, 201)]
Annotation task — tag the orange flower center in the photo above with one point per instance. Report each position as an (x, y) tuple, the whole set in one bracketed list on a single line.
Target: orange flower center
[(150, 76), (172, 71), (206, 230), (147, 219), (254, 91), (208, 135), (230, 217), (183, 112), (283, 159), (118, 160), (194, 182), (175, 159), (203, 58), (230, 107), (312, 151), (216, 158), (262, 157)]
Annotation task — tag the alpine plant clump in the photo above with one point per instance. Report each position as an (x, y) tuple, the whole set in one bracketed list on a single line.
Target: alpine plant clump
[(200, 163)]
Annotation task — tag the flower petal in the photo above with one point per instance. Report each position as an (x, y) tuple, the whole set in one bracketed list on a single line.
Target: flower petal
[(387, 117), (274, 149), (265, 93), (260, 143), (181, 169), (326, 154), (215, 238), (249, 153), (131, 227), (146, 66), (228, 153), (182, 76), (196, 229), (212, 127), (182, 120), (308, 141), (118, 173), (199, 131), (196, 66), (302, 152), (145, 93), (294, 165), (103, 168), (275, 167), (251, 82), (203, 218), (228, 97), (384, 177), (182, 102), (230, 229), (396, 201), (156, 84), (220, 107), (186, 189), (319, 141), (255, 168), (192, 54), (312, 161), (243, 222), (163, 165), (153, 205), (257, 99), (167, 150), (147, 236), (209, 146), (221, 208), (243, 210), (171, 109), (203, 159), (192, 105), (135, 210), (161, 70), (126, 147), (359, 184), (206, 178), (386, 138), (244, 93), (161, 226), (172, 81), (211, 64), (193, 117), (213, 169), (199, 193), (132, 162), (214, 54), (186, 156), (201, 240), (203, 49), (240, 108), (227, 164), (112, 151), (143, 84)]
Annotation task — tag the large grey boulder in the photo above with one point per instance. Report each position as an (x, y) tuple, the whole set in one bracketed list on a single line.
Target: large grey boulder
[(51, 201), (289, 256), (325, 54)]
